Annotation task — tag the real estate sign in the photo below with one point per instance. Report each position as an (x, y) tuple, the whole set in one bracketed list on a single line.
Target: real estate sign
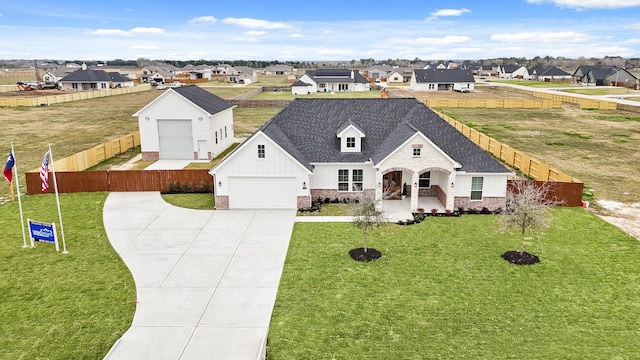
[(43, 232)]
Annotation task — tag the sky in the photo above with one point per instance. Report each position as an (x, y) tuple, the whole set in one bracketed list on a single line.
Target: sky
[(326, 30)]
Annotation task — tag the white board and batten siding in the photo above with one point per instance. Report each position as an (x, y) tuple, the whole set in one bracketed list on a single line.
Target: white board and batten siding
[(325, 176), (276, 179), (493, 185)]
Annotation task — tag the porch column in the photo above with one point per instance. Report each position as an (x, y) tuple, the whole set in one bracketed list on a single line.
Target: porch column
[(451, 191), (415, 191), (378, 187)]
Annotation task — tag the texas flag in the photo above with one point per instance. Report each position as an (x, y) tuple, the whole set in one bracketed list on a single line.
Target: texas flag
[(8, 168)]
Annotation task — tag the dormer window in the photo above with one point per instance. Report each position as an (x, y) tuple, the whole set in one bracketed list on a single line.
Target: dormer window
[(350, 137), (351, 142)]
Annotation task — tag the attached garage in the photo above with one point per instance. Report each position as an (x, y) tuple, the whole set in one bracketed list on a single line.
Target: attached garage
[(176, 139), (262, 193)]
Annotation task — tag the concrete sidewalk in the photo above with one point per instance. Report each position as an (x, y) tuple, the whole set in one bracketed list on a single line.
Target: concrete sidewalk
[(206, 280)]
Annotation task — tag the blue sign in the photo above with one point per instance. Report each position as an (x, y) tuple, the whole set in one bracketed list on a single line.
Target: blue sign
[(42, 232)]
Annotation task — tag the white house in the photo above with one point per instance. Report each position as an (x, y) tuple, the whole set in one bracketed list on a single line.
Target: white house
[(185, 123), (300, 88), (513, 72), (89, 79), (335, 80), (316, 149), (442, 79)]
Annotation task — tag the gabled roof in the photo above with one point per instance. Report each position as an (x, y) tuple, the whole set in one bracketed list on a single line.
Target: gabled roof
[(443, 76), (584, 69), (300, 83), (549, 71), (245, 70), (203, 99), (307, 128), (88, 75), (508, 69), (335, 75)]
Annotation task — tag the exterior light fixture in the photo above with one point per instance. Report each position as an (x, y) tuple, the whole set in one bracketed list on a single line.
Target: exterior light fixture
[(304, 184)]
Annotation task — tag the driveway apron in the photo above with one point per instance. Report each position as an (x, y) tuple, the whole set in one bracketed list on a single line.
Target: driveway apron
[(206, 280)]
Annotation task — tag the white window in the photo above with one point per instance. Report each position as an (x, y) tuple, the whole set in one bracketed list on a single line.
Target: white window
[(356, 178), (432, 86), (343, 87), (343, 180), (103, 85), (261, 152), (351, 142), (225, 131), (322, 85), (416, 152), (216, 137), (476, 188), (425, 179)]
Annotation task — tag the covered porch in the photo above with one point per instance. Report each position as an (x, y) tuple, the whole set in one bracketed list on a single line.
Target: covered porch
[(396, 210)]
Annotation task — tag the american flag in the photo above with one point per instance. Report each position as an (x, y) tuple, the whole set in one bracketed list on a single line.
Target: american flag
[(44, 172)]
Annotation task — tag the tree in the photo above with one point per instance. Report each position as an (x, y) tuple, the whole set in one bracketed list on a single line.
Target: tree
[(528, 208), (366, 217)]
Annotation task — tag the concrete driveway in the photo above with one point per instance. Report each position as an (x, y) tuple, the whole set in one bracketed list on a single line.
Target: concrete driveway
[(206, 280)]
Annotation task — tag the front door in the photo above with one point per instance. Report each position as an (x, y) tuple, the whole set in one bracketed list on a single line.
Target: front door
[(203, 154), (392, 185)]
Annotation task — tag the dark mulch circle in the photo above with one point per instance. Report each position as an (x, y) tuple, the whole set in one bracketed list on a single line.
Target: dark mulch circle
[(360, 255), (515, 257)]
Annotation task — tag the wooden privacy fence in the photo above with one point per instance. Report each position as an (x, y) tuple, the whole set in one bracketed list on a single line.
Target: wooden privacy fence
[(568, 193), (582, 102), (121, 180), (260, 103), (495, 103), (97, 154), (62, 98)]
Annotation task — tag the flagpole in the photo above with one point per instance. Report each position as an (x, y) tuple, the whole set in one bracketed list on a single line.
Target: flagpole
[(55, 186), (15, 168)]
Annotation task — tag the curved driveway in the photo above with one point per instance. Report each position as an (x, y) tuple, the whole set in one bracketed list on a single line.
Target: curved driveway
[(206, 280)]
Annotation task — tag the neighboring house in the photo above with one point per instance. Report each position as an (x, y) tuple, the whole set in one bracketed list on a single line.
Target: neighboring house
[(399, 75), (335, 80), (187, 123), (513, 72), (436, 79), (159, 74), (278, 70), (316, 149), (90, 79), (605, 76), (379, 71), (54, 75), (549, 74), (242, 75), (300, 88), (223, 69)]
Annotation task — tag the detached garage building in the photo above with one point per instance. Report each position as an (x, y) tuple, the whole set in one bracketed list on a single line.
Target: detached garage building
[(185, 123)]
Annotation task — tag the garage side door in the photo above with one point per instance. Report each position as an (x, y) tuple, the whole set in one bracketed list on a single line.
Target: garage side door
[(262, 193), (176, 139)]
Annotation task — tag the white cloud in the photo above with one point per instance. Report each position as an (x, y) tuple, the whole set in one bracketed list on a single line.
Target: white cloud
[(203, 19), (255, 23), (589, 4), (448, 12), (334, 52), (255, 33), (635, 26), (245, 39), (449, 39), (296, 35), (134, 31), (542, 37), (144, 47)]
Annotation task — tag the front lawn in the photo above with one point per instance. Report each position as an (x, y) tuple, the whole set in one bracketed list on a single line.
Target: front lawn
[(56, 306), (441, 290)]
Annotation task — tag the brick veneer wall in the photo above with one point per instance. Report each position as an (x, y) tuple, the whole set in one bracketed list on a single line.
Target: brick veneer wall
[(222, 202), (491, 203), (304, 201), (332, 194), (150, 155)]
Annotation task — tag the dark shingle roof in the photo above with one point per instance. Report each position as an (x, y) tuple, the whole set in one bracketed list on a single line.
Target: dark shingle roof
[(443, 76), (334, 75), (207, 101), (300, 83), (88, 75), (549, 71), (307, 129)]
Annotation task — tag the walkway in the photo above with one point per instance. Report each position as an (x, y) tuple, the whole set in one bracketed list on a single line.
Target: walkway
[(206, 280)]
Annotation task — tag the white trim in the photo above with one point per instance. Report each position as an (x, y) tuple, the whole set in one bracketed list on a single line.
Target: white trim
[(245, 143), (455, 164), (352, 127)]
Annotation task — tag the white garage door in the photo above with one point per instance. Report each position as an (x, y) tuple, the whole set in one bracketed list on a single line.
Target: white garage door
[(262, 193), (176, 139)]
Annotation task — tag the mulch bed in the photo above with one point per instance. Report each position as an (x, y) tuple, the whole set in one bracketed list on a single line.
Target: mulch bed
[(360, 255), (516, 258)]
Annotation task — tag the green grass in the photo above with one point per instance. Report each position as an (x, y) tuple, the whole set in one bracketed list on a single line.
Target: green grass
[(536, 84), (599, 91), (227, 92), (191, 201), (441, 290), (247, 120), (209, 165), (118, 159), (328, 210), (57, 306)]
